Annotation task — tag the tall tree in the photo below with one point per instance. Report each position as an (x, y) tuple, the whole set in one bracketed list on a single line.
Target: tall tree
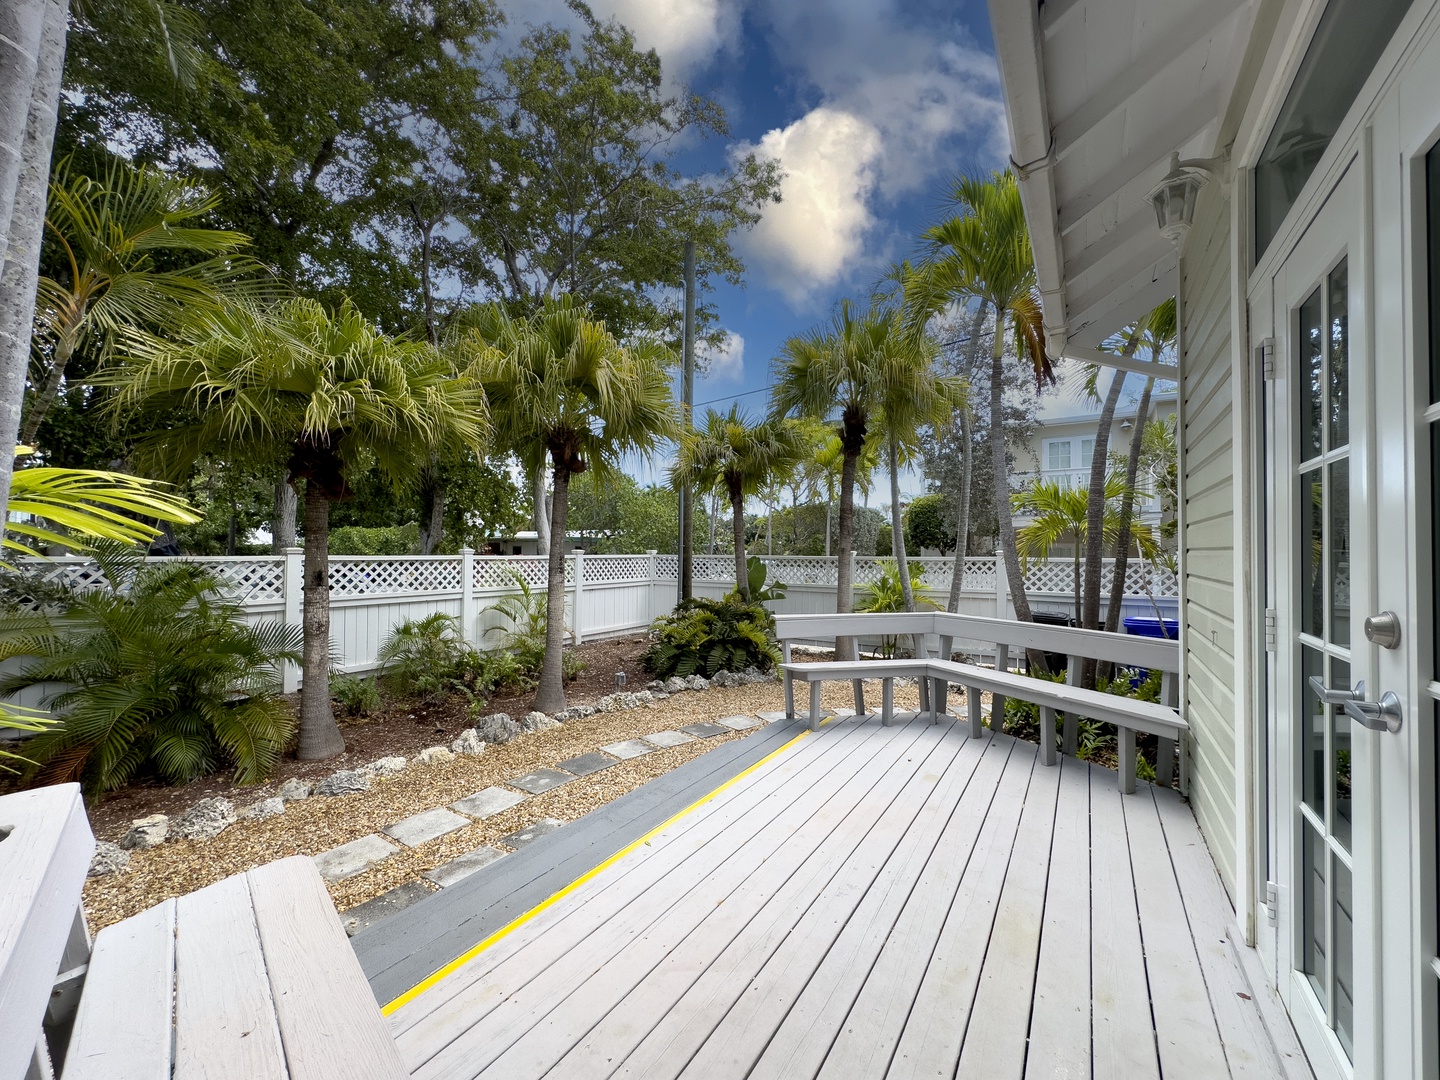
[(731, 453), (564, 390), (323, 394)]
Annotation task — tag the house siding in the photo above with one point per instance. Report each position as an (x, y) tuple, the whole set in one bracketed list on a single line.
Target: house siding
[(1208, 539)]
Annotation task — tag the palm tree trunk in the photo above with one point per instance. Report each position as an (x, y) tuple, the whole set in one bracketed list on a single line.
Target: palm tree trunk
[(44, 398), (897, 532), (319, 734), (737, 523), (844, 548), (999, 462), (432, 508), (282, 525), (22, 23), (550, 695), (962, 522), (21, 261), (541, 518), (1089, 615), (1127, 510)]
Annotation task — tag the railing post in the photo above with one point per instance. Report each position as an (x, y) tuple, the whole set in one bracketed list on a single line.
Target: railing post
[(579, 592), (467, 596), (294, 591)]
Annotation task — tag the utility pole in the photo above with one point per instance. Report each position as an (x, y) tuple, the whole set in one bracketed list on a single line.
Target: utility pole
[(687, 399)]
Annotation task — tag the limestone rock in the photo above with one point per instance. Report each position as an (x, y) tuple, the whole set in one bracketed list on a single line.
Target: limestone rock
[(675, 685), (109, 859), (146, 832), (206, 820), (385, 766), (295, 789), (698, 682), (434, 755), (344, 782), (469, 742), (655, 684), (575, 712), (537, 721), (497, 728), (265, 808)]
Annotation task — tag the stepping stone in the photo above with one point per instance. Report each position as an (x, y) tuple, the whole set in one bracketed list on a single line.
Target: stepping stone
[(586, 764), (386, 904), (771, 717), (738, 723), (631, 748), (425, 826), (668, 738), (541, 780), (704, 731), (541, 828), (449, 873), (487, 803), (353, 858)]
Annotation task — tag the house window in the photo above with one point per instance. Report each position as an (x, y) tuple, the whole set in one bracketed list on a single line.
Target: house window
[(1066, 461)]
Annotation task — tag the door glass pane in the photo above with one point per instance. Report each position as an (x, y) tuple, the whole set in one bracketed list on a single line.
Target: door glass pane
[(1432, 204), (1339, 541), (1312, 539), (1339, 324), (1087, 452), (1059, 454), (1312, 732), (1310, 387), (1340, 756), (1312, 875), (1344, 953)]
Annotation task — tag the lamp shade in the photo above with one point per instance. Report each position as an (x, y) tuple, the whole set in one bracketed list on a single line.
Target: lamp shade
[(1174, 200)]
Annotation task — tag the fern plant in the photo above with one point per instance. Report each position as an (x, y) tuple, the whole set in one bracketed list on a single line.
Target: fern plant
[(357, 695), (160, 676), (706, 636), (427, 657), (526, 610)]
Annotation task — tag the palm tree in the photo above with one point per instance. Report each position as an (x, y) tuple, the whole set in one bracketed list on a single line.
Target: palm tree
[(735, 455), (563, 390), (835, 373), (1062, 514), (983, 253), (321, 393), (118, 238)]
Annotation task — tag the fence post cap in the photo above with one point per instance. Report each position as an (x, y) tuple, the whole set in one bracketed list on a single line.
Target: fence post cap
[(293, 550), (467, 551), (652, 551)]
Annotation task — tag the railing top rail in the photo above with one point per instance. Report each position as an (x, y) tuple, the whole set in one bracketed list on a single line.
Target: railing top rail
[(1126, 649)]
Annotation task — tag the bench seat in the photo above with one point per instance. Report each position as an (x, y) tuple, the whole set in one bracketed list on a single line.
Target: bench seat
[(252, 977), (846, 671)]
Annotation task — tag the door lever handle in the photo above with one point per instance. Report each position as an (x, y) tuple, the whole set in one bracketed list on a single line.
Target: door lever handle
[(1387, 714), (1336, 697)]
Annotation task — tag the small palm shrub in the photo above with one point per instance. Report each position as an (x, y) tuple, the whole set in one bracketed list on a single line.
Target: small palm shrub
[(526, 610), (885, 594), (427, 657), (706, 636), (357, 695), (160, 677)]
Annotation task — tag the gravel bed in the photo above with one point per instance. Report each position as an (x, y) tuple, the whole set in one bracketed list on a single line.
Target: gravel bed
[(316, 824)]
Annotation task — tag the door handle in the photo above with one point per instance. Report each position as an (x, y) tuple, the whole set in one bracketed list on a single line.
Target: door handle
[(1336, 697), (1387, 714)]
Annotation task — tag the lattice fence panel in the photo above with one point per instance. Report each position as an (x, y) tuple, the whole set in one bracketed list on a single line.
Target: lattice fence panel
[(979, 575), (252, 582), (1050, 577), (606, 569), (382, 576), (712, 568), (801, 570), (500, 572), (667, 567)]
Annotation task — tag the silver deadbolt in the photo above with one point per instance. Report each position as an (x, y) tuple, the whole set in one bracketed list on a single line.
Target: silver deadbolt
[(1383, 630)]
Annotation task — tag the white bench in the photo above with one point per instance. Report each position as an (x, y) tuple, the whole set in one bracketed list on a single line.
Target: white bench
[(252, 977), (937, 673)]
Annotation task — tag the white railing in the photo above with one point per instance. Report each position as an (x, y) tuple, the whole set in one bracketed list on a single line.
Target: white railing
[(604, 594)]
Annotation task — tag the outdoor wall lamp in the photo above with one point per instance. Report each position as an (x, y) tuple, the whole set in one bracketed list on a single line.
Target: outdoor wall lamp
[(1174, 196)]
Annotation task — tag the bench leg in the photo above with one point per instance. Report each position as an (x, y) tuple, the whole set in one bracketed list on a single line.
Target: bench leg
[(887, 702), (789, 696), (1184, 774), (1070, 745), (997, 701), (859, 685), (1047, 735), (972, 706), (1164, 761), (814, 705), (942, 691), (924, 694), (1126, 754)]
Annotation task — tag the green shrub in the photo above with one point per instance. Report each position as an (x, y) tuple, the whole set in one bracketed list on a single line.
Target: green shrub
[(428, 657), (386, 540), (161, 675), (526, 611), (707, 636), (357, 695)]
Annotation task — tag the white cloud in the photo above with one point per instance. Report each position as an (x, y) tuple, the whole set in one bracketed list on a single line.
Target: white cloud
[(688, 34), (727, 361), (818, 230)]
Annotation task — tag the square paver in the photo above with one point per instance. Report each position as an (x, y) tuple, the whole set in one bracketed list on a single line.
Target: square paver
[(589, 763), (704, 731), (447, 874), (488, 803), (771, 717), (630, 748), (669, 738), (541, 780), (386, 904), (541, 828), (425, 826), (738, 723), (353, 858)]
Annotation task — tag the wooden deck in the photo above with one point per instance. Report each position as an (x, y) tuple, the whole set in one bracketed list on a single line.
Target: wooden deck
[(872, 902)]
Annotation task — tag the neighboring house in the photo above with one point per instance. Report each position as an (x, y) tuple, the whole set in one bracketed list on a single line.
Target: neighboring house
[(525, 542), (1306, 263)]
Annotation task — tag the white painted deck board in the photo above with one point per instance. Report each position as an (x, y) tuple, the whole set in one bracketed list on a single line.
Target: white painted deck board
[(874, 902)]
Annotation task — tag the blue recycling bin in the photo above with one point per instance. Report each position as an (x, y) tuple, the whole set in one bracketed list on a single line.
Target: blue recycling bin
[(1147, 626)]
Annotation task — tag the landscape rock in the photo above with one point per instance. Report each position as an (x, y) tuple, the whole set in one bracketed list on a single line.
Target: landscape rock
[(385, 766), (469, 742), (658, 695), (109, 859), (675, 685), (206, 820), (435, 755), (726, 679), (655, 684), (755, 675), (698, 682), (537, 721), (293, 789), (497, 728), (344, 782), (265, 808), (146, 832), (575, 712)]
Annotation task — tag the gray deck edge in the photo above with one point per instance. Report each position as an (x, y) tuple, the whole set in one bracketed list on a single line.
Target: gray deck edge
[(403, 950)]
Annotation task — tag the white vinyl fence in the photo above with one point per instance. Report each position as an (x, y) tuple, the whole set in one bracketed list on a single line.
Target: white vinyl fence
[(605, 595)]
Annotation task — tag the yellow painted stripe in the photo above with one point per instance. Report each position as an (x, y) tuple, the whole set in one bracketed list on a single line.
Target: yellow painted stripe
[(520, 920)]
